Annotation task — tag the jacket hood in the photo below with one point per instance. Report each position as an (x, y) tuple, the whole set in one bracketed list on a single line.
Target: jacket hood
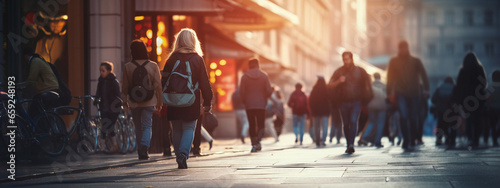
[(255, 73)]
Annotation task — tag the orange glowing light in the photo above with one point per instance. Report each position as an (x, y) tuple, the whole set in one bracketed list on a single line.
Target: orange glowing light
[(222, 62), (149, 33), (218, 72), (213, 65)]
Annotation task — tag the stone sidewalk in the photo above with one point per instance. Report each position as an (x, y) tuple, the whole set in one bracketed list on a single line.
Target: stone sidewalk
[(285, 164)]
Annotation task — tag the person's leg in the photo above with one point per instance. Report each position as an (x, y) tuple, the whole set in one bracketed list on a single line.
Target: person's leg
[(136, 117), (197, 137), (295, 124), (270, 128), (493, 125), (380, 127), (354, 119), (332, 129), (252, 123), (316, 126), (177, 132), (167, 140), (414, 119), (404, 120), (344, 110), (261, 124), (242, 117), (324, 122), (188, 128), (302, 124), (147, 123), (372, 118)]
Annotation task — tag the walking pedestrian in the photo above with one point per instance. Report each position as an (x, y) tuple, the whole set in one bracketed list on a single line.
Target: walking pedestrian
[(270, 115), (255, 89), (320, 110), (406, 81), (351, 86), (298, 103), (494, 106), (241, 114), (108, 90), (142, 94), (336, 123), (186, 58), (377, 112), (441, 99), (277, 97), (471, 84)]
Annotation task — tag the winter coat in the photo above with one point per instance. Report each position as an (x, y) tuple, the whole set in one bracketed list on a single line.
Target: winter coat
[(298, 103), (357, 86), (255, 89), (108, 89), (442, 98), (199, 75), (379, 96), (236, 100), (154, 78), (318, 101), (470, 78), (406, 75)]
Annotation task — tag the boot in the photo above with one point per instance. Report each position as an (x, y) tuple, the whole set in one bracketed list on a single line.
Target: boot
[(181, 160), (143, 152)]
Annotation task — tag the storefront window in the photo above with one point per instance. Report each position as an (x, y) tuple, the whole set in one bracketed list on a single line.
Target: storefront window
[(223, 76), (158, 27)]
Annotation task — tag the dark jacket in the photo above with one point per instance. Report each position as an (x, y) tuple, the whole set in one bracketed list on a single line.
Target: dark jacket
[(255, 89), (442, 98), (108, 89), (406, 75), (199, 76), (470, 78), (236, 99), (298, 103), (357, 86), (318, 102)]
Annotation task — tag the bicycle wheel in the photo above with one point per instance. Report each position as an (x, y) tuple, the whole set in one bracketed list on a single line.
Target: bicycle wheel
[(21, 136), (118, 138), (132, 138), (51, 133), (124, 136), (87, 136)]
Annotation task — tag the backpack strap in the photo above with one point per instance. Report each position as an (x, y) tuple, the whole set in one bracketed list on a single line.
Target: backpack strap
[(171, 72), (137, 64)]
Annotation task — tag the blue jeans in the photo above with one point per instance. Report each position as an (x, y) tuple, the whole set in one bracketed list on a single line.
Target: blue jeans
[(182, 136), (350, 115), (143, 120), (320, 124), (409, 114), (299, 122), (377, 123), (335, 129)]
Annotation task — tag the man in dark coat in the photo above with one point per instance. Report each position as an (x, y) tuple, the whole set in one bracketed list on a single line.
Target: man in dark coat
[(405, 76), (255, 89), (350, 87)]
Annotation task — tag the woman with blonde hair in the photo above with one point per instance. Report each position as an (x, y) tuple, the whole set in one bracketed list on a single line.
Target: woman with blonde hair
[(187, 48)]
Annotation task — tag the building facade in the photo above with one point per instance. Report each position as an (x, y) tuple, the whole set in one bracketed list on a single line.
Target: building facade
[(448, 29)]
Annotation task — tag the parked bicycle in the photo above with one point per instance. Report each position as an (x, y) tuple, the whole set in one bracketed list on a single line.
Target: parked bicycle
[(46, 130), (86, 130), (124, 130)]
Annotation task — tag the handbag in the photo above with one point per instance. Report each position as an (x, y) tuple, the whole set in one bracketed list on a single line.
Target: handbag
[(210, 122)]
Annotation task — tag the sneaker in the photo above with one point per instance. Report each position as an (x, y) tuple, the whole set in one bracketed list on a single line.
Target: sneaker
[(181, 161), (350, 150), (296, 140), (254, 149)]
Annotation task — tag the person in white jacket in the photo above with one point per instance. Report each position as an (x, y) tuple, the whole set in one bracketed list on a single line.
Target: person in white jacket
[(377, 110)]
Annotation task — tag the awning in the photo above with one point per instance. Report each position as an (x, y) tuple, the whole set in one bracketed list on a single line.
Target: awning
[(184, 7), (249, 15)]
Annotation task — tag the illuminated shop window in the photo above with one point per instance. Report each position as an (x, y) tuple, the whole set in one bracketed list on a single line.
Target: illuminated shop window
[(223, 77)]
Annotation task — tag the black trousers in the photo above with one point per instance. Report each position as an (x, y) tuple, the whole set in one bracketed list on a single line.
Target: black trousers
[(167, 139), (256, 121), (108, 119), (197, 136)]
